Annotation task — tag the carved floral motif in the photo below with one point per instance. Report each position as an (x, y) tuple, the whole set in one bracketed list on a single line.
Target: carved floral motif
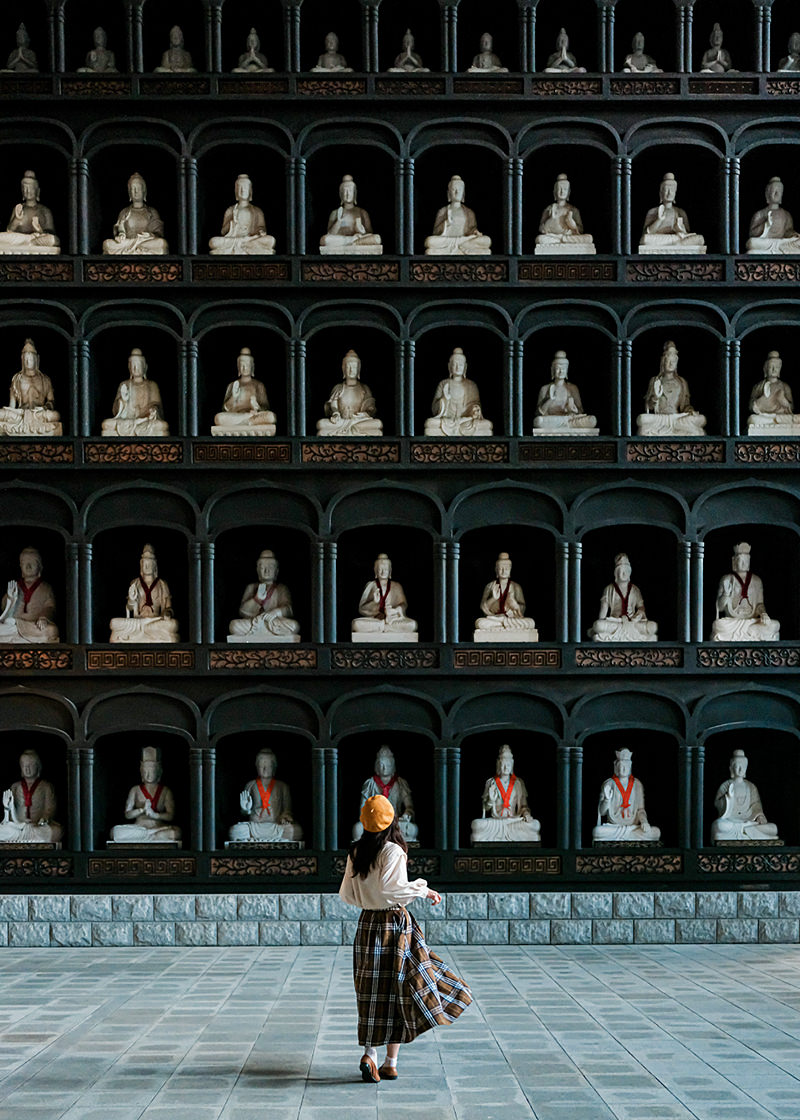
[(647, 658), (331, 87), (459, 272), (350, 452), (629, 863), (765, 452), (749, 863), (567, 87), (256, 867), (748, 657), (674, 451), (31, 452), (132, 271), (36, 867), (674, 272), (35, 658), (645, 87), (37, 271), (783, 87), (768, 271), (379, 658), (448, 452), (359, 271), (263, 658), (123, 451), (407, 85)]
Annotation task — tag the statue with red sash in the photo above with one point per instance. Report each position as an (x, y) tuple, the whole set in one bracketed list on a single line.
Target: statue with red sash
[(26, 615), (506, 816), (267, 804), (266, 608), (622, 617), (741, 614), (503, 607), (620, 812), (29, 807), (148, 610), (382, 609), (150, 807), (387, 782)]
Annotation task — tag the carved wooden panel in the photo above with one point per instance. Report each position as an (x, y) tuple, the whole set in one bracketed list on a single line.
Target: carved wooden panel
[(444, 452), (257, 657), (359, 271), (567, 451), (645, 87), (257, 867), (477, 85), (419, 867), (674, 451), (518, 657), (345, 451), (749, 863), (132, 867), (783, 87), (124, 660), (41, 270), (765, 451), (628, 863), (770, 271), (241, 85), (331, 87), (246, 270), (36, 867), (374, 657), (125, 451), (409, 85), (724, 87), (98, 85), (37, 658), (175, 85), (507, 865), (581, 271), (23, 85), (446, 271), (766, 656), (648, 657), (674, 272), (28, 451), (126, 270), (567, 87), (245, 450)]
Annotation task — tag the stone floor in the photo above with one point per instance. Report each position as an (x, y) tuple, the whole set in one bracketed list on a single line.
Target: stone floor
[(557, 1033)]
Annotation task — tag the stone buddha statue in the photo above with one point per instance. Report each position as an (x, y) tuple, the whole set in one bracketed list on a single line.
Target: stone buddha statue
[(31, 408), (408, 61), (771, 403), (148, 609), (245, 410), (620, 811), (559, 411), (741, 614), (622, 615), (561, 61), (772, 229), (22, 60), (150, 807), (637, 62), (138, 229), (741, 816), (177, 59), (486, 61), (561, 228), (349, 227), (668, 408), (265, 612), (267, 804), (791, 64), (386, 781), (253, 61), (455, 230), (244, 230), (716, 60), (29, 807), (99, 60), (28, 606), (138, 410), (30, 230), (350, 409), (331, 61), (666, 227), (457, 403), (382, 609), (503, 609), (506, 817)]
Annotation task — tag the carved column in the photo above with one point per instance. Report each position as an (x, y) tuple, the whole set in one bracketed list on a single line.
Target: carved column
[(214, 36), (73, 593), (684, 796), (188, 406), (606, 23), (209, 821), (190, 174), (440, 840), (195, 592), (576, 799), (291, 34), (563, 796), (135, 36), (332, 799), (574, 602), (514, 171), (85, 403), (196, 797), (562, 591), (330, 583), (79, 362), (87, 798), (733, 167), (55, 20), (763, 59), (183, 207), (622, 205), (449, 39), (297, 360), (297, 198), (623, 405), (697, 590), (406, 243), (512, 397), (454, 797), (79, 207), (440, 591), (453, 554), (698, 761), (207, 633), (527, 36), (733, 349), (369, 35), (407, 395), (74, 839), (688, 46), (684, 591), (85, 592), (318, 797), (319, 597)]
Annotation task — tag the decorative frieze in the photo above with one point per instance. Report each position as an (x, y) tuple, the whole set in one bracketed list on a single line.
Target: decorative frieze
[(485, 271), (256, 867), (783, 87), (507, 865), (240, 271), (331, 87), (444, 452), (355, 272), (628, 863), (38, 659), (517, 658), (674, 451), (109, 452), (16, 85), (374, 657), (176, 85), (768, 271), (31, 866), (749, 863), (674, 272), (134, 867), (726, 87), (138, 271), (255, 657), (40, 270), (242, 86), (125, 660), (567, 451), (98, 85), (242, 451), (760, 451), (566, 87), (407, 85), (583, 272), (748, 657), (645, 87), (648, 657), (28, 451), (496, 87), (348, 451)]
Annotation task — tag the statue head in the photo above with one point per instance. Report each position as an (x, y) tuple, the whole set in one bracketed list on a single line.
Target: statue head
[(30, 765), (669, 358), (455, 189), (457, 365), (30, 357), (331, 42), (175, 36), (794, 43), (486, 43), (137, 366), (148, 567), (741, 557), (716, 36), (502, 566), (382, 567), (408, 40), (384, 763), (669, 188), (559, 367), (99, 38), (137, 188), (243, 188), (23, 38), (150, 768), (738, 764), (266, 763), (505, 762), (562, 42), (774, 191), (622, 568), (351, 366), (773, 365), (253, 42), (267, 566), (245, 364), (347, 190), (30, 564), (623, 764), (562, 188), (638, 43), (30, 187)]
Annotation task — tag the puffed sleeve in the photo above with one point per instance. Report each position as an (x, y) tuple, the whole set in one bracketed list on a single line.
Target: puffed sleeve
[(346, 890), (394, 880)]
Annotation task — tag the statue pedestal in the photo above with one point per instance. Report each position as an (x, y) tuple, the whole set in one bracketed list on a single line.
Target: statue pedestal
[(352, 251), (659, 425), (564, 249), (527, 636), (19, 846), (780, 424), (516, 845), (676, 250), (262, 640), (561, 430), (264, 845), (627, 844), (375, 638), (143, 846), (259, 431), (748, 843), (773, 247)]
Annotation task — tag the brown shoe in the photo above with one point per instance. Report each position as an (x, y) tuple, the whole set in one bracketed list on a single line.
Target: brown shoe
[(388, 1073), (369, 1071)]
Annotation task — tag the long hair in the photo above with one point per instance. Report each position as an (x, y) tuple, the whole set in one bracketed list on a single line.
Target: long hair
[(365, 851)]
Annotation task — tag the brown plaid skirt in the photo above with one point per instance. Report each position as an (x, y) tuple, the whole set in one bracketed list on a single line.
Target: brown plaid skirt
[(402, 988)]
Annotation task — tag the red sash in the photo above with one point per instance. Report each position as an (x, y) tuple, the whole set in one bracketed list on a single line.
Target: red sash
[(154, 799), (626, 793), (743, 583), (265, 794), (27, 592), (385, 789), (503, 596), (27, 793), (506, 793), (148, 591), (624, 599), (384, 595), (265, 600)]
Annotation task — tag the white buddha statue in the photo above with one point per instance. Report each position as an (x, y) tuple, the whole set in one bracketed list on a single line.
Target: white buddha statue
[(456, 404), (506, 817), (350, 409), (138, 410), (455, 231), (561, 228), (267, 804), (668, 407), (28, 606), (244, 230), (620, 811), (99, 60), (331, 60), (265, 612), (741, 816), (559, 411), (177, 59), (253, 61), (562, 61), (741, 614), (31, 409), (382, 609), (486, 61), (408, 61), (148, 609), (716, 60), (637, 62), (22, 59), (386, 781), (31, 229), (772, 229), (29, 806), (349, 228), (791, 64), (622, 615), (503, 609), (771, 403), (138, 230), (666, 227), (245, 410), (150, 808)]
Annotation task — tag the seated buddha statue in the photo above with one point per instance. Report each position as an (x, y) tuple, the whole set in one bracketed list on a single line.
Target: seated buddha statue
[(561, 228), (666, 227), (668, 408), (267, 804), (148, 609), (245, 410), (741, 615), (350, 409), (138, 228), (741, 815), (637, 62), (622, 617), (29, 806), (28, 606), (30, 230), (149, 808), (486, 61), (716, 60), (138, 410), (253, 61), (455, 231), (457, 403), (506, 817), (31, 409), (177, 59), (408, 61), (503, 609), (772, 229), (331, 61), (349, 228), (621, 816), (265, 612), (559, 411), (22, 59), (791, 64), (99, 60), (772, 404), (387, 782), (244, 230), (562, 61), (382, 609)]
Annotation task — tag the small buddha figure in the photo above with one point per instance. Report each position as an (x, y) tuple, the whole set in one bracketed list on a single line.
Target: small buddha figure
[(559, 411), (245, 410), (771, 403), (772, 229), (791, 64), (331, 60), (267, 804), (28, 606), (150, 807), (741, 614), (148, 609), (244, 230), (622, 617), (29, 807), (666, 227), (349, 227), (382, 609), (22, 60), (350, 409), (486, 61), (561, 228), (31, 408), (668, 408), (408, 61), (505, 817), (741, 816), (457, 403), (455, 230), (99, 60), (561, 61), (716, 60), (265, 612), (138, 229), (637, 62), (30, 230), (503, 609), (253, 61), (138, 410), (177, 59), (620, 811), (386, 781)]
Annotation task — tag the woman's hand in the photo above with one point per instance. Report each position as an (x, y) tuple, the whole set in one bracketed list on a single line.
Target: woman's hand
[(434, 897)]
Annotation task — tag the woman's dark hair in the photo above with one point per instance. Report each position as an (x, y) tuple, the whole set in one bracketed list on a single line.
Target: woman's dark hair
[(365, 851)]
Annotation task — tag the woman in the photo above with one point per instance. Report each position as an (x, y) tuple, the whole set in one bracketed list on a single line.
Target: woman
[(402, 989)]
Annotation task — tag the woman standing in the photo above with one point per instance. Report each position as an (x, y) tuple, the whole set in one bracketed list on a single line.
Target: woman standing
[(402, 989)]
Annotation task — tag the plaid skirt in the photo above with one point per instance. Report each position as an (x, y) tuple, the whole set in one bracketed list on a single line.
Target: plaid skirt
[(402, 988)]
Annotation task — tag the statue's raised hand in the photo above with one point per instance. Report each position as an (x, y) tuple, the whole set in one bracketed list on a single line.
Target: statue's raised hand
[(246, 802)]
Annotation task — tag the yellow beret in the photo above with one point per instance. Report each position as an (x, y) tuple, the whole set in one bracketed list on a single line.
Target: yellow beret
[(377, 813)]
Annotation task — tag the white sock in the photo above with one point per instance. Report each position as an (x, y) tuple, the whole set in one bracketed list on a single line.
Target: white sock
[(391, 1062), (371, 1052)]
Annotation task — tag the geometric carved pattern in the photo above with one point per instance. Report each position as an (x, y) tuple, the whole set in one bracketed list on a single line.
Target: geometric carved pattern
[(749, 863), (675, 272), (646, 658), (769, 271), (748, 657), (36, 658), (459, 272), (763, 452), (243, 451), (375, 658), (30, 452), (410, 85), (241, 270), (256, 658), (687, 451), (570, 87), (418, 866), (125, 659), (507, 658), (724, 88), (131, 867), (137, 272), (288, 867), (507, 865), (567, 270), (45, 270), (48, 867), (647, 87), (124, 452), (351, 452), (783, 87), (96, 87), (330, 87), (362, 272), (641, 863), (459, 453), (567, 452)]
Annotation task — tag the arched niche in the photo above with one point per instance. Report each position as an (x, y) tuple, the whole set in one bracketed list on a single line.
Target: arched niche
[(193, 19), (34, 506), (378, 351), (784, 25), (264, 163), (773, 767), (629, 707), (657, 22), (760, 164), (49, 161), (317, 18), (124, 505), (520, 504), (238, 16), (219, 349), (485, 351), (141, 708), (723, 507), (354, 712), (423, 18), (51, 336), (781, 335), (367, 506), (774, 557), (34, 710), (501, 22), (113, 161), (52, 751), (81, 19), (737, 19), (691, 160), (701, 363), (51, 546), (749, 706), (591, 352), (592, 178), (628, 502), (480, 165), (372, 165), (581, 21), (277, 711), (503, 711), (33, 13)]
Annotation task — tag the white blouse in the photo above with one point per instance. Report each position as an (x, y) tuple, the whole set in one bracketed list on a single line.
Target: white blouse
[(386, 883)]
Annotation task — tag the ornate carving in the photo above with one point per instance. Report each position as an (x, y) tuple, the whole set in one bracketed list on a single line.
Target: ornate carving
[(125, 271), (748, 657), (783, 87), (567, 451), (507, 865), (585, 271), (677, 451), (331, 87), (498, 87), (246, 271), (647, 87), (181, 85), (122, 660), (27, 451), (255, 657), (419, 867), (345, 452), (252, 87), (649, 657), (43, 270), (749, 863), (38, 867), (764, 452), (674, 272), (132, 867), (123, 451), (360, 271), (484, 271), (708, 87), (242, 451), (768, 271), (97, 86), (24, 85), (567, 87), (256, 867), (629, 863), (521, 657), (374, 657), (36, 658), (408, 84), (447, 452)]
